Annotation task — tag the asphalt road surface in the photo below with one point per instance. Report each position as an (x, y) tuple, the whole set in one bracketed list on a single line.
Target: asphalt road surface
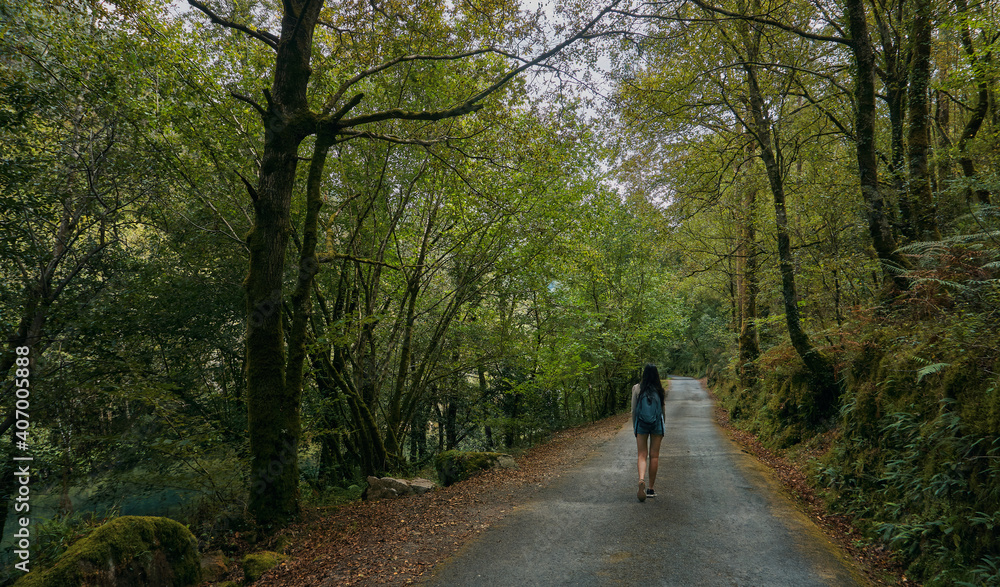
[(719, 519)]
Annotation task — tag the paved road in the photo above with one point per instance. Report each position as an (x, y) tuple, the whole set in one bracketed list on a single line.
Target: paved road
[(718, 519)]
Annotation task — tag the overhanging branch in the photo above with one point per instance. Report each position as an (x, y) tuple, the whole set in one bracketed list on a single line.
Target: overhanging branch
[(332, 101), (263, 36), (472, 104), (388, 138), (331, 258), (400, 114), (260, 109), (757, 19)]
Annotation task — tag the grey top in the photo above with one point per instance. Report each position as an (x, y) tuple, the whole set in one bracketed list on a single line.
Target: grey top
[(635, 404)]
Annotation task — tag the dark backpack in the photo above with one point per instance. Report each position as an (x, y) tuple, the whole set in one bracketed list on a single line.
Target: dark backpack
[(650, 411)]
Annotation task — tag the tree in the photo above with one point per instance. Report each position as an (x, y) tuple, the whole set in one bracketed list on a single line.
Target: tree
[(766, 135), (979, 62), (865, 119), (290, 115), (71, 190), (924, 221)]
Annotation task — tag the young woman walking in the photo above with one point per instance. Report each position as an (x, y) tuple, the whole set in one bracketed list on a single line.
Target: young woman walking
[(648, 407)]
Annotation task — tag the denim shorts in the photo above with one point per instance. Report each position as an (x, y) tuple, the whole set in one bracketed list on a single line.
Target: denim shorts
[(641, 427)]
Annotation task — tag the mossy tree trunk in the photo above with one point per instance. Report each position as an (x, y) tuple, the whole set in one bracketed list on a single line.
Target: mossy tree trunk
[(747, 286), (979, 65), (876, 211), (895, 74), (818, 365), (924, 221), (273, 404)]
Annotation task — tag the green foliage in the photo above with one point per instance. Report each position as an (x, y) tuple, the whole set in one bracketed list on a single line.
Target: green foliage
[(781, 409), (702, 347), (51, 538), (54, 536), (481, 281), (915, 454), (938, 485)]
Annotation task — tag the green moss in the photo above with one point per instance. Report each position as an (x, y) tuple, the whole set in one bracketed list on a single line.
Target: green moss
[(258, 563), (281, 543), (130, 550)]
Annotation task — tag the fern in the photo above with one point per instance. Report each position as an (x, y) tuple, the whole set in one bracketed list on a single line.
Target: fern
[(944, 282)]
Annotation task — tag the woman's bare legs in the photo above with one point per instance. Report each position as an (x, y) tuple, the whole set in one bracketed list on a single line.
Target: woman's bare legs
[(654, 458), (640, 444)]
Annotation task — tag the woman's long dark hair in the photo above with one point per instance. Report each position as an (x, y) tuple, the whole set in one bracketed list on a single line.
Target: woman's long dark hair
[(651, 381)]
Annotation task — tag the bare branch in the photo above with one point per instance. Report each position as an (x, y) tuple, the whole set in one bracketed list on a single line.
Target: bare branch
[(472, 103), (334, 257), (268, 38), (546, 55), (80, 265), (7, 422), (400, 114), (389, 138), (348, 107), (332, 101), (250, 189), (260, 109), (757, 19)]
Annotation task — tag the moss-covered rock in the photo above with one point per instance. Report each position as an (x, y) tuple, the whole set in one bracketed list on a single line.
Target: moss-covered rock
[(455, 465), (258, 563), (130, 550), (214, 566)]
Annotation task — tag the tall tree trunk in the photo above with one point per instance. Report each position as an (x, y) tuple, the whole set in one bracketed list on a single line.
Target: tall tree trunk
[(819, 367), (879, 227), (918, 136), (747, 288), (978, 112), (942, 122), (451, 425), (895, 79), (418, 433), (484, 402), (272, 406)]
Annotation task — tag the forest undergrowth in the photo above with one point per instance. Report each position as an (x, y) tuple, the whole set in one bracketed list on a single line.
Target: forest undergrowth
[(912, 458)]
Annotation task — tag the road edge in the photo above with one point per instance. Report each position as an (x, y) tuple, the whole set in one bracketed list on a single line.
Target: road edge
[(874, 562)]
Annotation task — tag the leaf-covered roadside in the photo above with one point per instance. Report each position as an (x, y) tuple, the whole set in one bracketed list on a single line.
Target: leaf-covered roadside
[(395, 542)]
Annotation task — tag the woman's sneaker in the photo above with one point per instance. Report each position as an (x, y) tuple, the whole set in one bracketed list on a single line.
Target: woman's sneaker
[(650, 493), (641, 494)]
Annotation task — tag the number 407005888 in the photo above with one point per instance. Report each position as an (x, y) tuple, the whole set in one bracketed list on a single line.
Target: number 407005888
[(21, 405)]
